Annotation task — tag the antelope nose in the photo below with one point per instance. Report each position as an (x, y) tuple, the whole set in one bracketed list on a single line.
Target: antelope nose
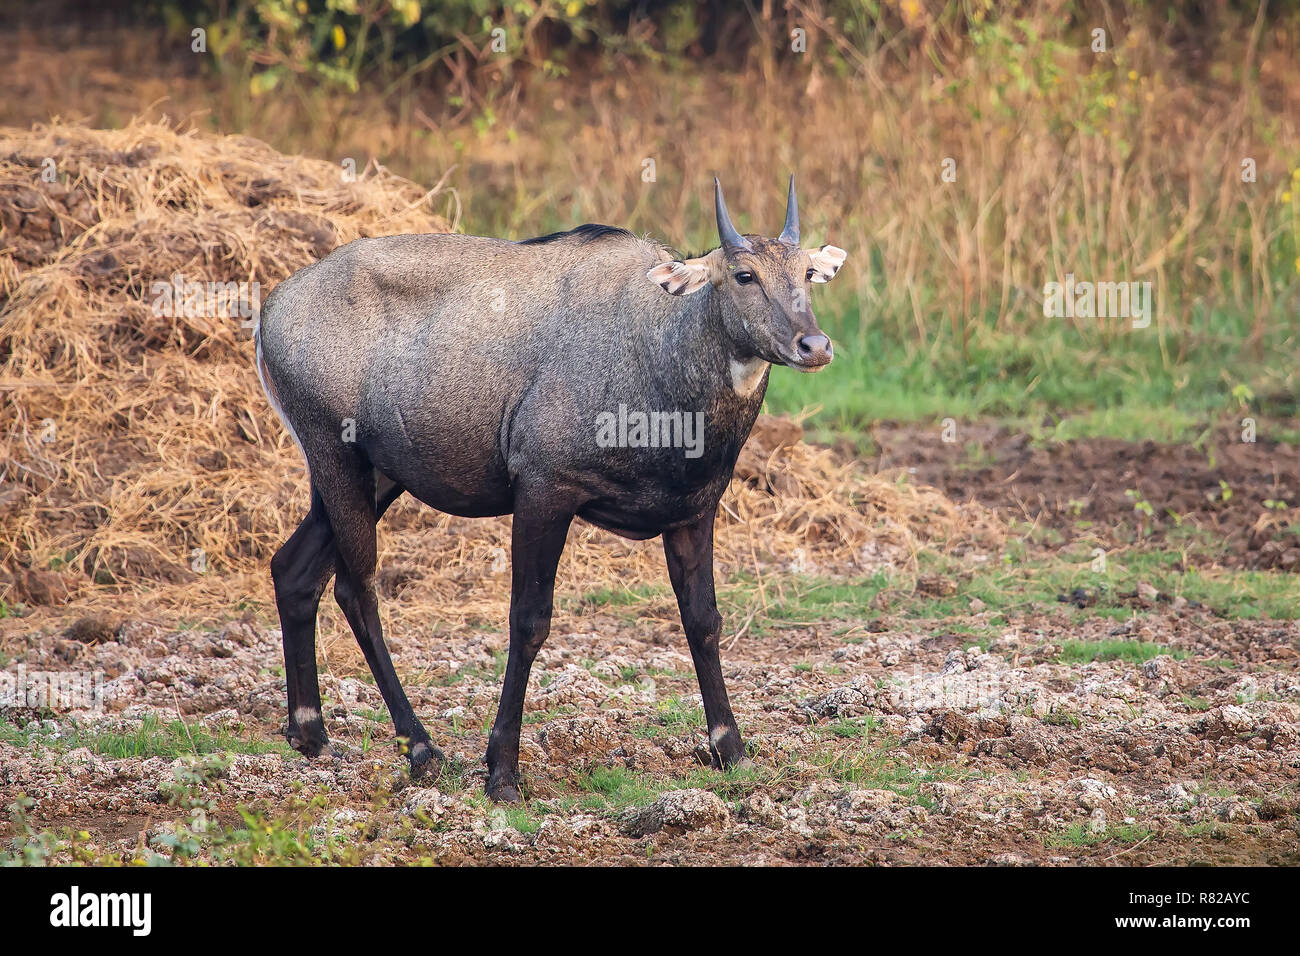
[(815, 349)]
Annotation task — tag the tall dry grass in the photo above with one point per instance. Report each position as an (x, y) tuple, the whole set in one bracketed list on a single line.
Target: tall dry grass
[(1123, 165), (138, 455)]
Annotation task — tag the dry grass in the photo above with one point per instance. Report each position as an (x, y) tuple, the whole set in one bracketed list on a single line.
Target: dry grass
[(132, 441), (136, 438), (1122, 166), (1116, 168)]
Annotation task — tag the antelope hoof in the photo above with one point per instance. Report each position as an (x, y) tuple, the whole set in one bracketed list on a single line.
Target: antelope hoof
[(504, 789), (727, 749), (308, 740), (425, 759)]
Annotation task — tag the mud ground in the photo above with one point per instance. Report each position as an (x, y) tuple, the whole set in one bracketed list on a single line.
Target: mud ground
[(876, 741), (1241, 493)]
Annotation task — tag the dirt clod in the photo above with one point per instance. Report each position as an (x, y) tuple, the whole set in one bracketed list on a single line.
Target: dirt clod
[(678, 811)]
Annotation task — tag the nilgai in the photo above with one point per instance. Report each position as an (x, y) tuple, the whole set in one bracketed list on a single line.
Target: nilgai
[(484, 377)]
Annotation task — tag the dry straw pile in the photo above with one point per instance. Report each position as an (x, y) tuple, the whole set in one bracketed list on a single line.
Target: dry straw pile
[(138, 456)]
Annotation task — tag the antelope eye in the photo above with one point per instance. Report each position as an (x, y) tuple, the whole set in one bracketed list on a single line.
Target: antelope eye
[(809, 276), (744, 278)]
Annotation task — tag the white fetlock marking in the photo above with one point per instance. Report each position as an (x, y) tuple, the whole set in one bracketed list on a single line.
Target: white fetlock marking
[(305, 715), (715, 737)]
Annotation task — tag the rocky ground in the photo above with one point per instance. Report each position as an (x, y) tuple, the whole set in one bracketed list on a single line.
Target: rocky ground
[(1103, 727), (872, 743)]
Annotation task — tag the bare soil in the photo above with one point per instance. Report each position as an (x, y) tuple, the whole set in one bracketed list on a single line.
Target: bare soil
[(1004, 756), (1092, 488)]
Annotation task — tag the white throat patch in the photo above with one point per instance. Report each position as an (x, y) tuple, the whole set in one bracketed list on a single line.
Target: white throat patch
[(745, 376)]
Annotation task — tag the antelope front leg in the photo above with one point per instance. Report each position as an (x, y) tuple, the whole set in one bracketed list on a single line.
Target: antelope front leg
[(537, 540), (689, 551)]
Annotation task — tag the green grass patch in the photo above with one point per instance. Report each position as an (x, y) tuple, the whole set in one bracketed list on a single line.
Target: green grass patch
[(1078, 836), (851, 729), (878, 766), (546, 716), (615, 789), (153, 738), (1085, 652), (799, 600), (672, 717), (1017, 583), (616, 597), (606, 788), (1057, 383)]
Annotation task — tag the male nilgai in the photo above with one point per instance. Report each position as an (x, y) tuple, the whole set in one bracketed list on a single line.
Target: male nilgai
[(471, 373)]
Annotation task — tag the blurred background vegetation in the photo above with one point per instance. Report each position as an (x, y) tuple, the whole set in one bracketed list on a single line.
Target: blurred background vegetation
[(1115, 156)]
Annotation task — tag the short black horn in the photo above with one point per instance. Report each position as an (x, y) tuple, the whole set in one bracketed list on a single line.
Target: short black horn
[(790, 234), (731, 239)]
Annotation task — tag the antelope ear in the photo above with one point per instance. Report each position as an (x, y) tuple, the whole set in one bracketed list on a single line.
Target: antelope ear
[(826, 261), (680, 278)]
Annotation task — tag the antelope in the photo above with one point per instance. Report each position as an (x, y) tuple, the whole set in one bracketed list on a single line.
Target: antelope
[(471, 372)]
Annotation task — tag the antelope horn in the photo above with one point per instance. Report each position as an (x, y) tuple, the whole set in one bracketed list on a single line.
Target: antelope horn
[(790, 234), (731, 239)]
